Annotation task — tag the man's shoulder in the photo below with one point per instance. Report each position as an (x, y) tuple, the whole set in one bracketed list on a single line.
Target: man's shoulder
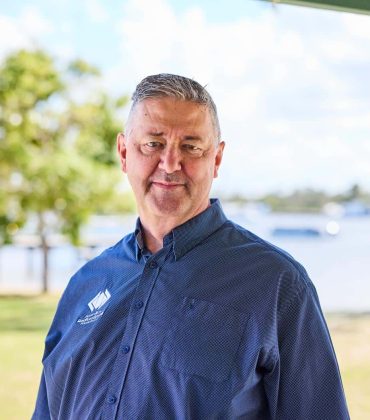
[(264, 268), (260, 251), (100, 267), (97, 277)]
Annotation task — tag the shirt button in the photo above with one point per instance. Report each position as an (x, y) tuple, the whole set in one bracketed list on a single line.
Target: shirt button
[(153, 264), (112, 399), (125, 349), (139, 304)]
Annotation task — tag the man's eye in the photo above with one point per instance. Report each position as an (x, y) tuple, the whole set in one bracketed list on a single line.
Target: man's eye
[(191, 148), (153, 144)]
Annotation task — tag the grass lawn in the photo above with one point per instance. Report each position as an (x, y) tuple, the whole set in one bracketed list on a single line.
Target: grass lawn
[(25, 320), (23, 324), (351, 338)]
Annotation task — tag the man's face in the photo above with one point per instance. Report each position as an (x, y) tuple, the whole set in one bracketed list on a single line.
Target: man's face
[(171, 155)]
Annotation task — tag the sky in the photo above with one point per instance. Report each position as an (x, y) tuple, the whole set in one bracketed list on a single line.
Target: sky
[(291, 84)]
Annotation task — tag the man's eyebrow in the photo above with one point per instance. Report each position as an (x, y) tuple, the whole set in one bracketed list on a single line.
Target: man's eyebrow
[(155, 133), (188, 137), (192, 138)]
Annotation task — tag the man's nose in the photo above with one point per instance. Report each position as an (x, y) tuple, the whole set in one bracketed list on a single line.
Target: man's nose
[(170, 160)]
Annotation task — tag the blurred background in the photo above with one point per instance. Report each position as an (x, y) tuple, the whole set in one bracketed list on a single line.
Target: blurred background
[(293, 96)]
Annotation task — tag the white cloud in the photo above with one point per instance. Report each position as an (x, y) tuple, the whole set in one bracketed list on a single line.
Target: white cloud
[(356, 25), (96, 11), (34, 23), (64, 51), (23, 31), (10, 37)]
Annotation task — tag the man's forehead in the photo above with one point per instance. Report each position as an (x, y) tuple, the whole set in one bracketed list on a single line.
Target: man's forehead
[(168, 108), (162, 113)]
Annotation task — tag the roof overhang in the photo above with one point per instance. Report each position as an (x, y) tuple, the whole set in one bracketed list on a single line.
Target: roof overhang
[(353, 6)]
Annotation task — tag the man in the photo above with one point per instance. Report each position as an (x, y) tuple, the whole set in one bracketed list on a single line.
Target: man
[(191, 316)]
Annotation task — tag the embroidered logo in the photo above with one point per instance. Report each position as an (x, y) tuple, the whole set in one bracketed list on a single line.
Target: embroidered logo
[(99, 300), (95, 305)]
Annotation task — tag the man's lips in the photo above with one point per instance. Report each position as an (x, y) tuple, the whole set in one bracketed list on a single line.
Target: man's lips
[(167, 185)]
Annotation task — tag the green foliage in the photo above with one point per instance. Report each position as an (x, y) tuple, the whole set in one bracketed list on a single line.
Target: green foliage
[(306, 200), (97, 129), (26, 79), (355, 193), (57, 144), (81, 68)]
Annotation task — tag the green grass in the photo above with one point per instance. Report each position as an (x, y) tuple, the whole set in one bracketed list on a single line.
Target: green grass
[(24, 321), (27, 313), (351, 338), (23, 324)]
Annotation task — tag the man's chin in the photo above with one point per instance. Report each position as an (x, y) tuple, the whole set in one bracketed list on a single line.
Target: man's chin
[(167, 204)]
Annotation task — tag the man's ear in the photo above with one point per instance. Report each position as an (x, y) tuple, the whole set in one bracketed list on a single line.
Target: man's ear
[(121, 148), (218, 158)]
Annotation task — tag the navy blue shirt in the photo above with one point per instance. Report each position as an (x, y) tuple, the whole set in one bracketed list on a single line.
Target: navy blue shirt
[(218, 324)]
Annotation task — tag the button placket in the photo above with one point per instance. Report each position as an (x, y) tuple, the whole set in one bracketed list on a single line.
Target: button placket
[(120, 369), (112, 399), (153, 264), (139, 304), (125, 349)]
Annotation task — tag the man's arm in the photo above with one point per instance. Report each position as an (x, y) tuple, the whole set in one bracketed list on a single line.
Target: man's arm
[(42, 408), (305, 382)]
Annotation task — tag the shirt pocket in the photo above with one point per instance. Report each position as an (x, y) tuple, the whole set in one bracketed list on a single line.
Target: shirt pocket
[(204, 340)]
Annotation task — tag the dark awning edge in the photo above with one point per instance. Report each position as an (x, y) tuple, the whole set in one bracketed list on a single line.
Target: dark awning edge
[(352, 6)]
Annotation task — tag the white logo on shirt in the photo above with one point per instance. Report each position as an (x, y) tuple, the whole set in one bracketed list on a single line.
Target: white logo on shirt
[(99, 300), (95, 304)]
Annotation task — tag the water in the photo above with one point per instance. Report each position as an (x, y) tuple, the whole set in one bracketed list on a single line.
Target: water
[(339, 266)]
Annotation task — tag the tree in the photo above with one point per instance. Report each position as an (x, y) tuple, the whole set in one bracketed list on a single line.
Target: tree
[(56, 147)]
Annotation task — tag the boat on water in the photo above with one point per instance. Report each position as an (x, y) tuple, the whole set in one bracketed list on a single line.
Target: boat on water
[(296, 231), (332, 229)]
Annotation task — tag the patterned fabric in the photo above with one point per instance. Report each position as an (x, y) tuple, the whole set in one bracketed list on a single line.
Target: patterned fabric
[(218, 324)]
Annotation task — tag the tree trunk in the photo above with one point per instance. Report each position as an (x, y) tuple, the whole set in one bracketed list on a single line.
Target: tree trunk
[(45, 254)]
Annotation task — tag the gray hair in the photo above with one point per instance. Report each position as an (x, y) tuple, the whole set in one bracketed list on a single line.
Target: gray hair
[(179, 87)]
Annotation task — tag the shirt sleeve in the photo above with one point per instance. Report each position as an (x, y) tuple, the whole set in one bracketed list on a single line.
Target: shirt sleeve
[(42, 408), (305, 381)]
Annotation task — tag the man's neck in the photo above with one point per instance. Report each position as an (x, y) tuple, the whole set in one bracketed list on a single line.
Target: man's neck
[(155, 228), (155, 231)]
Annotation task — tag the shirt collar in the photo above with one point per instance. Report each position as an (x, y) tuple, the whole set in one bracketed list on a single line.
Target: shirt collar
[(189, 234), (139, 243)]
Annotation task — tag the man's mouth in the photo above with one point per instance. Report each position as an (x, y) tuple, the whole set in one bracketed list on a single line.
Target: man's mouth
[(167, 185)]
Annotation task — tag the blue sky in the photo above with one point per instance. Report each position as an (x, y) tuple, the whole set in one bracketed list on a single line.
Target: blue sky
[(291, 83)]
